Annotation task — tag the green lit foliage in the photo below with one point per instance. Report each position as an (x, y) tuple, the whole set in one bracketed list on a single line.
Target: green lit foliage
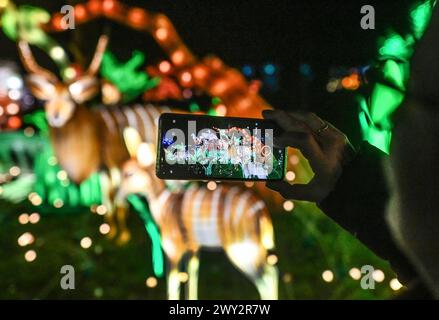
[(14, 149), (129, 81), (24, 22), (384, 101), (420, 17), (156, 248), (56, 189), (395, 51), (46, 178), (50, 183), (394, 45)]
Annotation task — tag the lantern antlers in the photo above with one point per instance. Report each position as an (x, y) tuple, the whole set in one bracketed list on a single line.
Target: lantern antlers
[(29, 62), (99, 54)]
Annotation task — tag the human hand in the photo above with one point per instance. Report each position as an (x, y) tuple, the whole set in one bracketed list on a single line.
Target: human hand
[(324, 146)]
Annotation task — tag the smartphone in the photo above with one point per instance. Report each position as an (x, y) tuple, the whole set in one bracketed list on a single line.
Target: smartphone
[(202, 147)]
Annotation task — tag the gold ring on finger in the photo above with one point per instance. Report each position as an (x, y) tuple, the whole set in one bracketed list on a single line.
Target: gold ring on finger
[(323, 128)]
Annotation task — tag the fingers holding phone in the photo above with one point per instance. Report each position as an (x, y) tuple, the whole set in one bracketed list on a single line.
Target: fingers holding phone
[(324, 146)]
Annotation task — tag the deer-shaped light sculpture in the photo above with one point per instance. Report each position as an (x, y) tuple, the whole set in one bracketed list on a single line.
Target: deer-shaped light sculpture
[(229, 217), (88, 139)]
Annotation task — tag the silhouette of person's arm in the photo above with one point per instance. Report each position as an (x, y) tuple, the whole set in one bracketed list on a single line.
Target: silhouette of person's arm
[(348, 186)]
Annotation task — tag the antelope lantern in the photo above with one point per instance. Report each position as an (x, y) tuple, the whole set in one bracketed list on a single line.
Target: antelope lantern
[(228, 217), (88, 139)]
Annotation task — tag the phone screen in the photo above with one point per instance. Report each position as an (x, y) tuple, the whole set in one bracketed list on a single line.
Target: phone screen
[(200, 147)]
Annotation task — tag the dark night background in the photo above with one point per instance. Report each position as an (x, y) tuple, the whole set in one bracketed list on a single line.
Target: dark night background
[(322, 34)]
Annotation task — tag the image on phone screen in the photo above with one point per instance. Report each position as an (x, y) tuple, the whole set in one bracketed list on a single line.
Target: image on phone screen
[(201, 147)]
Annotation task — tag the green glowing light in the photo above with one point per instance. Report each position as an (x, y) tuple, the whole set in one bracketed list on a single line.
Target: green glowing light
[(51, 189), (384, 101), (194, 107), (24, 22), (379, 138), (395, 51), (16, 191), (396, 74), (150, 226), (216, 101), (420, 17), (212, 112), (396, 46), (129, 81)]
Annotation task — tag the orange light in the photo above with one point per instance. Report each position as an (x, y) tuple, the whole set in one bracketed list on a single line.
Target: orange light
[(137, 16), (109, 6), (346, 82), (249, 184), (216, 63), (151, 282), (178, 57), (245, 103), (221, 110), (161, 34), (351, 82), (211, 185), (57, 22), (12, 108), (80, 12), (219, 87), (290, 175), (294, 160), (14, 122), (164, 66), (94, 6), (186, 77), (161, 21), (200, 72)]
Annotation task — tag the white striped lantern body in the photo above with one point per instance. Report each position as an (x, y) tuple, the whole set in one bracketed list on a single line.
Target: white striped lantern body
[(225, 217), (230, 217), (143, 118), (113, 120)]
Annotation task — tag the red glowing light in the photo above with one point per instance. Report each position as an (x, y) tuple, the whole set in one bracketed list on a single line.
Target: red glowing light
[(80, 12), (57, 22), (94, 6), (137, 16), (14, 122)]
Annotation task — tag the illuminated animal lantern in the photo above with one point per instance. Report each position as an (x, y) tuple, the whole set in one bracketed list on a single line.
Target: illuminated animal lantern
[(228, 217), (89, 139), (209, 74)]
